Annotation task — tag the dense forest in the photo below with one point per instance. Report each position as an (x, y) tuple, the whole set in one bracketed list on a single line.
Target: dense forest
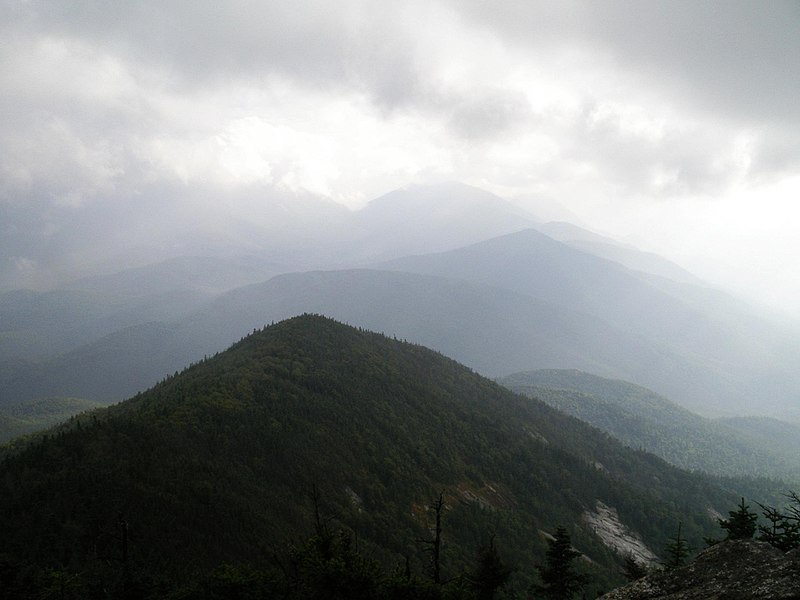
[(643, 419), (234, 468), (35, 415)]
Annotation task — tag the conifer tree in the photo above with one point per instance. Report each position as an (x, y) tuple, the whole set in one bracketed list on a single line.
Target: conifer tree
[(742, 523), (490, 573), (677, 550), (560, 580), (782, 530)]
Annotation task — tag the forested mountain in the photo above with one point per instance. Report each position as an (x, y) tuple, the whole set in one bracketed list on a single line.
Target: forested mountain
[(217, 464), (38, 325), (42, 330), (517, 302), (767, 432), (17, 420), (721, 365), (644, 420), (494, 331)]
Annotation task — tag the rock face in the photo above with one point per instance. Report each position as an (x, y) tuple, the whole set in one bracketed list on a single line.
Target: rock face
[(605, 522), (731, 570)]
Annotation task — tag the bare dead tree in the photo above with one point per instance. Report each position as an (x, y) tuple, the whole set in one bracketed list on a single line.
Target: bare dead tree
[(436, 543)]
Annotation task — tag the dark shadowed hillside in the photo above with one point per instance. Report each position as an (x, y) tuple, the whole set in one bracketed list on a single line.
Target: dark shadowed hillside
[(217, 464), (642, 419), (19, 419)]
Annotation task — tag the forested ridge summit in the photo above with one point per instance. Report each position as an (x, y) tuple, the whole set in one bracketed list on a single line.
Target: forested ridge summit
[(218, 465)]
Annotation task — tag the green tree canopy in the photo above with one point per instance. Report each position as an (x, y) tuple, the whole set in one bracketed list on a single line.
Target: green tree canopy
[(741, 525), (560, 579)]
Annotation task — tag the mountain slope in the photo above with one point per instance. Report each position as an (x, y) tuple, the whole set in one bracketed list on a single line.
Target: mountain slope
[(642, 419), (37, 325), (686, 342), (531, 263), (767, 432), (33, 416), (492, 330), (213, 464), (283, 233), (604, 247), (204, 274), (729, 365)]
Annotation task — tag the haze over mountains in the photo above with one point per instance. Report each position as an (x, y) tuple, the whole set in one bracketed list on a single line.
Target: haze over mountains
[(551, 310), (477, 283), (254, 329)]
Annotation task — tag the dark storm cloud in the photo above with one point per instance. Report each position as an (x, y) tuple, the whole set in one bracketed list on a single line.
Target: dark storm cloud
[(736, 62), (196, 43), (734, 56), (738, 57)]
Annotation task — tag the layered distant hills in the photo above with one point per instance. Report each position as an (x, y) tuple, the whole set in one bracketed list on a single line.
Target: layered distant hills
[(645, 420), (220, 464), (693, 350), (222, 469), (480, 281), (29, 417)]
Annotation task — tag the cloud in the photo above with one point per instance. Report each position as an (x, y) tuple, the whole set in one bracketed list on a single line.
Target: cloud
[(312, 43), (489, 114), (734, 56), (121, 117), (660, 155), (733, 62)]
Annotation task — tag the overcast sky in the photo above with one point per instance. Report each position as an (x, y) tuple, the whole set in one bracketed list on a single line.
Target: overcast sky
[(672, 125)]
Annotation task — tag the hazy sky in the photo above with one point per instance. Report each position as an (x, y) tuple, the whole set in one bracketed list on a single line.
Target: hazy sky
[(673, 125)]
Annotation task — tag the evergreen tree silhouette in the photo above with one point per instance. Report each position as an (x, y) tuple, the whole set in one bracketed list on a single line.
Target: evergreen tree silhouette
[(560, 580), (742, 523), (490, 573), (677, 550)]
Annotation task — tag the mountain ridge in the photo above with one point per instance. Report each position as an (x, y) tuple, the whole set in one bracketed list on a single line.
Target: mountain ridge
[(643, 419), (494, 331), (690, 343), (213, 462)]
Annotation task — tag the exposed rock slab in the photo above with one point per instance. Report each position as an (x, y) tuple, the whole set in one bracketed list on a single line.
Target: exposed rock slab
[(732, 570), (605, 523)]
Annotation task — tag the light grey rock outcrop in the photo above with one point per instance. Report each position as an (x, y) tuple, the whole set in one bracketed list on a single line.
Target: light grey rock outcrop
[(606, 524)]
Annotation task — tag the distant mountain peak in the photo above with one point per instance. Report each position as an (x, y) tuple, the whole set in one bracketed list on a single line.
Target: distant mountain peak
[(453, 196), (432, 218)]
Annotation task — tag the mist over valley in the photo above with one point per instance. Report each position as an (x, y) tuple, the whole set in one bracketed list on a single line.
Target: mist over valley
[(365, 300)]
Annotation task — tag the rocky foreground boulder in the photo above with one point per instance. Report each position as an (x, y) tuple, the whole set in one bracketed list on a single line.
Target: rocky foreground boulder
[(731, 570)]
